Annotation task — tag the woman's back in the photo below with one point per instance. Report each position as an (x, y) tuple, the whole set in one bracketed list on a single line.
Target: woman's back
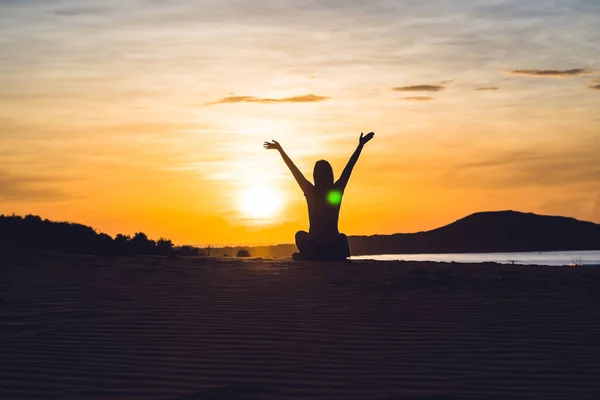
[(324, 212)]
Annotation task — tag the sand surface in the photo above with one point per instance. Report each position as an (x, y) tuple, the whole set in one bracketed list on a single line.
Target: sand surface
[(76, 327)]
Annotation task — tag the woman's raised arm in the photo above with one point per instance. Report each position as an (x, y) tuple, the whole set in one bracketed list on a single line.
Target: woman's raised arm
[(343, 181), (302, 181)]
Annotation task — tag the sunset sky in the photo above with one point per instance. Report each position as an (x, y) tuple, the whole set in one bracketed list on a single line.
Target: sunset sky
[(147, 115)]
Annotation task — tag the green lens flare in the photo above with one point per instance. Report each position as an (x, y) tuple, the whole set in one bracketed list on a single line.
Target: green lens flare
[(334, 197)]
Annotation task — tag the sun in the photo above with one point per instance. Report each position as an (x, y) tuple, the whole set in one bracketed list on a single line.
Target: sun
[(260, 202)]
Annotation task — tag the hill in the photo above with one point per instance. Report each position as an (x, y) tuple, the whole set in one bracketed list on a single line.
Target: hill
[(499, 231)]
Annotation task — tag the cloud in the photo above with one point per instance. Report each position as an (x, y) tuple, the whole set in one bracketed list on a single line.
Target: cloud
[(307, 98), (77, 11), (234, 99), (418, 98), (419, 88), (551, 73), (502, 159), (596, 87), (19, 188), (446, 82), (564, 167), (487, 89)]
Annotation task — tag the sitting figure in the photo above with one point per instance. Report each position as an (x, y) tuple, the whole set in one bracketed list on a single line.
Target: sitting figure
[(323, 240)]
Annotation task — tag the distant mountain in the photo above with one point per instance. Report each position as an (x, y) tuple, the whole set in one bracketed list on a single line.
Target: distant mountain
[(498, 231)]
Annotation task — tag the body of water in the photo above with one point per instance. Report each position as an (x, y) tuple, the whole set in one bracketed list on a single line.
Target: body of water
[(590, 257)]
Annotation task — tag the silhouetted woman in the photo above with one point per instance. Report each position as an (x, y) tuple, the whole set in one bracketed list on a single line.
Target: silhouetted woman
[(323, 240)]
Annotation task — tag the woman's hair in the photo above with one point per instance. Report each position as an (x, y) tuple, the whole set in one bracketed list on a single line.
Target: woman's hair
[(323, 174)]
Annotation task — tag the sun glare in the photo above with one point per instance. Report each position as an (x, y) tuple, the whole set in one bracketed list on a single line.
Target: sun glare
[(260, 202)]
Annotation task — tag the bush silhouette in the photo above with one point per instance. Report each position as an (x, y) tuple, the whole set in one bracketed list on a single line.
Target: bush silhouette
[(243, 253), (33, 232)]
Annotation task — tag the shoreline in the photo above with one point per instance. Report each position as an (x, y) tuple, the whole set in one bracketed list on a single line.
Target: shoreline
[(19, 254)]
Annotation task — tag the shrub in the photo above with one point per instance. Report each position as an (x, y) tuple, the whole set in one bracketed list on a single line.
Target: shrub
[(243, 253)]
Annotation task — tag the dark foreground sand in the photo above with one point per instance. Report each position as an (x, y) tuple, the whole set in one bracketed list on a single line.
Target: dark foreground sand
[(150, 328)]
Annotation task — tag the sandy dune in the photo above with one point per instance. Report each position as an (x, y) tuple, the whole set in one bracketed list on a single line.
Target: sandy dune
[(150, 328)]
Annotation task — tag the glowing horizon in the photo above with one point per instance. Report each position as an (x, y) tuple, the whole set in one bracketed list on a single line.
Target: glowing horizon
[(150, 117)]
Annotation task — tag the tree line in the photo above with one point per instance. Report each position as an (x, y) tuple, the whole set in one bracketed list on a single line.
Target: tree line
[(33, 232)]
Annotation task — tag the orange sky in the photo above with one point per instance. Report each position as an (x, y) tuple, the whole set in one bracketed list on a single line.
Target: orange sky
[(151, 117)]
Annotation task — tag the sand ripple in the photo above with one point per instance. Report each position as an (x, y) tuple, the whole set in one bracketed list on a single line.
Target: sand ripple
[(149, 328)]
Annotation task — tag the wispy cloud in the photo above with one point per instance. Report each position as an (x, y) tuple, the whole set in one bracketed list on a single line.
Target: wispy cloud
[(307, 98), (595, 84), (418, 98), (21, 188), (419, 88), (79, 10), (551, 73), (446, 82), (520, 168), (487, 89)]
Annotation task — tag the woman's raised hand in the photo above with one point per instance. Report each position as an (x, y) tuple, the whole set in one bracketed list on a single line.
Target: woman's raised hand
[(364, 139), (274, 145)]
